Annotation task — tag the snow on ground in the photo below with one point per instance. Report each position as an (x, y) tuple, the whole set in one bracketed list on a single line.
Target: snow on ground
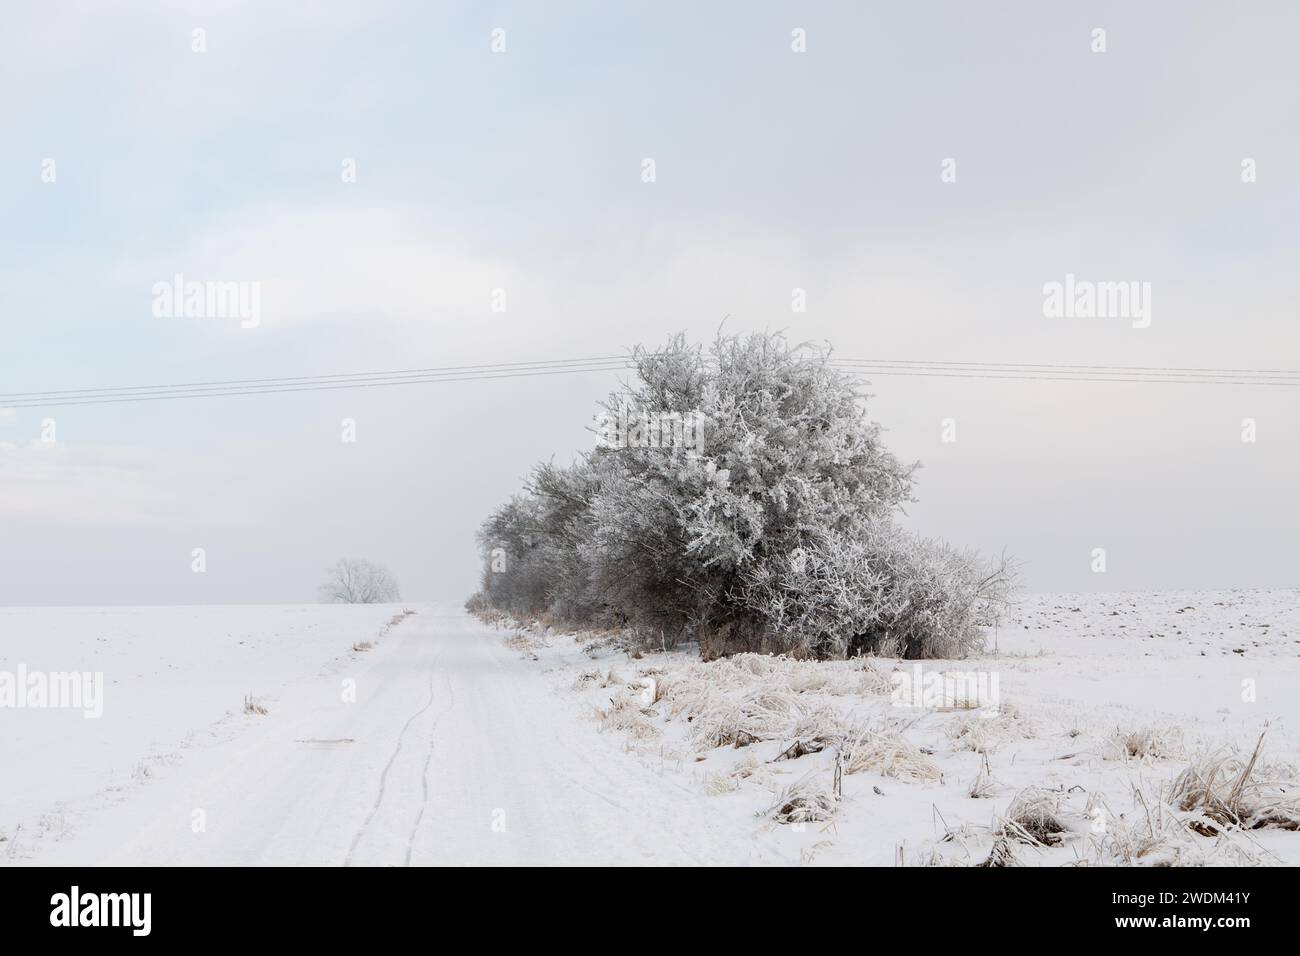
[(449, 741), (1103, 699), (172, 677), (452, 751)]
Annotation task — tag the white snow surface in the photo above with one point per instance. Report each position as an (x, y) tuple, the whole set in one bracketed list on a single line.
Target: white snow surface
[(451, 742)]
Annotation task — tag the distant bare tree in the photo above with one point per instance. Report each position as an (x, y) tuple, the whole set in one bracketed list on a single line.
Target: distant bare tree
[(358, 581)]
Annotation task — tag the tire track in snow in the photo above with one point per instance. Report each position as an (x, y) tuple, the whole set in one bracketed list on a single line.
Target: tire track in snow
[(428, 761), (383, 777)]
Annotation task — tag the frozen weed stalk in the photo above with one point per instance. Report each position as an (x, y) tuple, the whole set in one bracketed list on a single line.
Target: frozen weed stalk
[(70, 690)]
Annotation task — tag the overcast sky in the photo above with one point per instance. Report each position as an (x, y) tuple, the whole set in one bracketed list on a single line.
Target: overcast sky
[(522, 170)]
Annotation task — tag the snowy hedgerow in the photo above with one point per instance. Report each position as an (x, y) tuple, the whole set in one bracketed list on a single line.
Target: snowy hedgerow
[(881, 591), (772, 529), (936, 600)]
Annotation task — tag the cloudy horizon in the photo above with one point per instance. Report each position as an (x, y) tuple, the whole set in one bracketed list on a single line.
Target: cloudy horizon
[(437, 187)]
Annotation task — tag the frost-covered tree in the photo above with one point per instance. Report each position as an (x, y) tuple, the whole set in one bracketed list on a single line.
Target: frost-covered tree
[(358, 581), (772, 528)]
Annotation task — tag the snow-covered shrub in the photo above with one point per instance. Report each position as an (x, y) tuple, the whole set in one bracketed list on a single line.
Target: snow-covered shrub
[(882, 592), (771, 531), (937, 599)]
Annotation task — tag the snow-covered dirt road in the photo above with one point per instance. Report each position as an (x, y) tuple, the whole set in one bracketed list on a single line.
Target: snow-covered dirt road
[(439, 745), (439, 740)]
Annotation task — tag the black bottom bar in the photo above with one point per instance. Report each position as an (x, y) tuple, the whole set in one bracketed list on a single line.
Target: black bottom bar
[(336, 907)]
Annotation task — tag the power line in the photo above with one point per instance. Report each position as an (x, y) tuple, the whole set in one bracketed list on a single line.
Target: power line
[(1075, 373), (1112, 368), (1129, 380), (1005, 371), (447, 369), (196, 392), (1029, 374)]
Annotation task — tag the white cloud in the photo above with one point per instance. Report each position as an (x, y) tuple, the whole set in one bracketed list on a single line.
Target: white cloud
[(62, 484)]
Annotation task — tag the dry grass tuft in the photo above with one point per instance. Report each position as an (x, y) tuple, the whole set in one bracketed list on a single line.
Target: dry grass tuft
[(718, 783), (626, 714), (746, 698), (984, 787), (892, 755), (1226, 791), (982, 734), (524, 643), (1157, 836), (1001, 854), (805, 801), (254, 706), (1145, 743), (816, 730), (396, 619), (718, 720), (748, 768), (858, 677), (1034, 817)]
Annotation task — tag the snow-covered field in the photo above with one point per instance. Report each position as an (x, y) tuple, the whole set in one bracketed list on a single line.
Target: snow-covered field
[(174, 680), (1101, 701), (447, 741)]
